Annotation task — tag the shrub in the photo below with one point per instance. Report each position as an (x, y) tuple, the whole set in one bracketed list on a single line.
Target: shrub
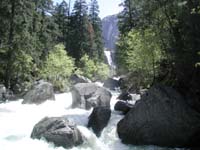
[(139, 53), (58, 68), (93, 70)]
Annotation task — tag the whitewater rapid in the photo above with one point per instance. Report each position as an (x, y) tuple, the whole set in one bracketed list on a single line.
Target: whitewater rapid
[(17, 122)]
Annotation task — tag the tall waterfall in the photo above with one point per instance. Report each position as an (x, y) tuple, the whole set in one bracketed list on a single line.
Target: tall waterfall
[(110, 61)]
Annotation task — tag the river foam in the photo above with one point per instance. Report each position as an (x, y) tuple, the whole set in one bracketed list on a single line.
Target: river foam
[(17, 122)]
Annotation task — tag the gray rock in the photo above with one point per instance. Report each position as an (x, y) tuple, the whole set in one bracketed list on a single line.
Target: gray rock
[(161, 117), (79, 79), (110, 31), (125, 96), (40, 92), (2, 92), (88, 95), (6, 94), (111, 84), (99, 119), (123, 106), (59, 131)]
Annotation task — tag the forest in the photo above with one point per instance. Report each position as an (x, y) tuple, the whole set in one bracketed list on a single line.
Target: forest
[(58, 91), (41, 40), (160, 43)]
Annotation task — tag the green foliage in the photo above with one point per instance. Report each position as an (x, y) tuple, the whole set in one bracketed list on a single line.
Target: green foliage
[(58, 68), (102, 71), (141, 54), (95, 20), (175, 25), (87, 67), (29, 30), (93, 70)]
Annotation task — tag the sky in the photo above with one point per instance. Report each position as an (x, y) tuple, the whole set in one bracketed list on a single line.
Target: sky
[(106, 7)]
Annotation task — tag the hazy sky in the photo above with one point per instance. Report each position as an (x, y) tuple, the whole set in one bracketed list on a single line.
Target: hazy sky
[(107, 7)]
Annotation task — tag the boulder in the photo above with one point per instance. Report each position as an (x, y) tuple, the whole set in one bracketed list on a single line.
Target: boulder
[(88, 95), (123, 106), (58, 130), (162, 117), (79, 79), (6, 94), (39, 93), (125, 96), (111, 84), (98, 119), (2, 92)]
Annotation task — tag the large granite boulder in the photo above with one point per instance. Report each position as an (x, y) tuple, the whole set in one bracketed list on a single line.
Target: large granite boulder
[(98, 119), (88, 95), (40, 92), (161, 117), (79, 79), (123, 106), (111, 84), (58, 130)]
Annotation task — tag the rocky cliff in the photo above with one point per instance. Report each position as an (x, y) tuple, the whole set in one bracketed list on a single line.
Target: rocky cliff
[(110, 31)]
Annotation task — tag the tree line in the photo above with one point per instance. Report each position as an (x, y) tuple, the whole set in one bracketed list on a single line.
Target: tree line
[(159, 43), (30, 31)]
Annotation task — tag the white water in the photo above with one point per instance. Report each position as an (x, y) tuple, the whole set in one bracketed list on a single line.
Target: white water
[(17, 121), (109, 57)]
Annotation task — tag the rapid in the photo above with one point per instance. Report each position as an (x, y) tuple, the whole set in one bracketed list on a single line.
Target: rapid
[(17, 121)]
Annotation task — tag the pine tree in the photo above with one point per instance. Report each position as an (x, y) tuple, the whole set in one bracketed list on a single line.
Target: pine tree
[(47, 29), (96, 23), (128, 18), (79, 20), (16, 43), (62, 19)]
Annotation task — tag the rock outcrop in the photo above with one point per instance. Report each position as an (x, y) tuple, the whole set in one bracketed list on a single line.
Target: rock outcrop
[(58, 130), (40, 92), (99, 119), (162, 117), (88, 95), (110, 31)]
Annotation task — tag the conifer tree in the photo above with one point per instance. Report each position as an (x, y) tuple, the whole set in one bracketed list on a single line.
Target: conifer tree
[(80, 43), (62, 19), (95, 20)]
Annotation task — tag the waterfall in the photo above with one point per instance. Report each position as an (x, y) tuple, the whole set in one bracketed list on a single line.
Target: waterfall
[(110, 61)]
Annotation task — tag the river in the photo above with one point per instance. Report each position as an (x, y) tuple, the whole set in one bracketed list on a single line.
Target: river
[(17, 122)]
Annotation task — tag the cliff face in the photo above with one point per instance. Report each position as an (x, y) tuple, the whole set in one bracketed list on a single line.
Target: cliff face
[(110, 31)]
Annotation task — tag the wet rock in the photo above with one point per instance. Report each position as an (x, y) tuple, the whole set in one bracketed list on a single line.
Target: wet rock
[(2, 92), (125, 96), (79, 79), (123, 106), (88, 95), (99, 119), (41, 92), (58, 130), (162, 117), (111, 84)]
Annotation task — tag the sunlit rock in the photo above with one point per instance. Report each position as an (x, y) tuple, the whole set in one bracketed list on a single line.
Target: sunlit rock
[(58, 130), (88, 95), (40, 92)]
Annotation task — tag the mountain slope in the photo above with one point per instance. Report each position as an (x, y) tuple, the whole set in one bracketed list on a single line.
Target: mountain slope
[(110, 31)]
